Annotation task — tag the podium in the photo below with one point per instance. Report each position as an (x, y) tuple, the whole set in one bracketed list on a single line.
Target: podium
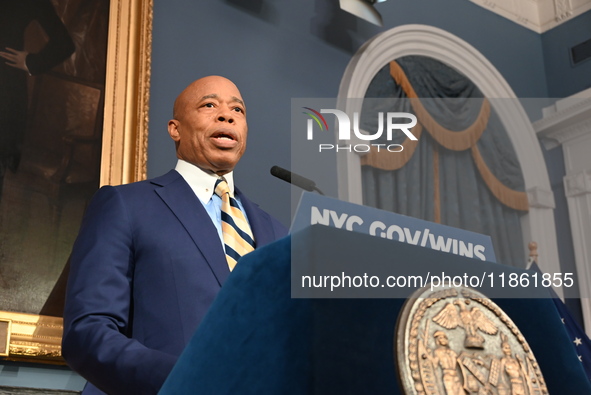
[(259, 339)]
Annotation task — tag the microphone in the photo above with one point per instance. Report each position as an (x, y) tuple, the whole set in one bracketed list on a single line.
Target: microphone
[(295, 179)]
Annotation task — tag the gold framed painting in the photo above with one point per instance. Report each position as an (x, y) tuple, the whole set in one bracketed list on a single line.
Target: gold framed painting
[(86, 126)]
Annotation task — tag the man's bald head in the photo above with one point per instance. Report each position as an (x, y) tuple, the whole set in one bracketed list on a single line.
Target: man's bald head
[(188, 92), (209, 126)]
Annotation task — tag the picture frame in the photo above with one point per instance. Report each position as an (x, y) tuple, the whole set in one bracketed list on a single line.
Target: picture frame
[(37, 338)]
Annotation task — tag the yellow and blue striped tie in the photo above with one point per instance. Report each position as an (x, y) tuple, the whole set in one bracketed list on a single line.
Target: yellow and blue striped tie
[(238, 238)]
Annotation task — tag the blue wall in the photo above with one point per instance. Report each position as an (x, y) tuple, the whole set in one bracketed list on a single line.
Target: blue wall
[(271, 57), (279, 50), (564, 78)]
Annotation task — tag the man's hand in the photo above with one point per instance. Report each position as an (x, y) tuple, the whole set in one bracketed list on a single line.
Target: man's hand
[(16, 59)]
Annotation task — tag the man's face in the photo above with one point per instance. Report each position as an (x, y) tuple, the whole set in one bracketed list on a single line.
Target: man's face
[(442, 340), (210, 127), (506, 348)]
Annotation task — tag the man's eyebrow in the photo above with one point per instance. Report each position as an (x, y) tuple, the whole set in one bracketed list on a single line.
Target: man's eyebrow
[(238, 100), (215, 96), (212, 96)]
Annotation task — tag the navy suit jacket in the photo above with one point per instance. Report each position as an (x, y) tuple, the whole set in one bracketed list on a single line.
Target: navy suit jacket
[(145, 268)]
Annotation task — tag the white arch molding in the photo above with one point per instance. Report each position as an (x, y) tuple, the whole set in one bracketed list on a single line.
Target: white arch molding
[(538, 225)]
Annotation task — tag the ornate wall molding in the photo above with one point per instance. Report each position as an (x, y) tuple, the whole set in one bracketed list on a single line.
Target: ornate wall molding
[(538, 225), (565, 120), (578, 184), (540, 198), (537, 15)]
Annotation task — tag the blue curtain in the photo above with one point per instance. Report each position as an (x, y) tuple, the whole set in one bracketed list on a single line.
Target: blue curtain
[(465, 201)]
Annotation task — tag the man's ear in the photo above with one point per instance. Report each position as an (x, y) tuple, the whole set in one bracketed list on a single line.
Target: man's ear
[(173, 130)]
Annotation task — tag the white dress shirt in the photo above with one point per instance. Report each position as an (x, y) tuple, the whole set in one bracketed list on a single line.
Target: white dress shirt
[(203, 184)]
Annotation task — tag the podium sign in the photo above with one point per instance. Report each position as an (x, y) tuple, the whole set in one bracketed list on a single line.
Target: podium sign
[(316, 209)]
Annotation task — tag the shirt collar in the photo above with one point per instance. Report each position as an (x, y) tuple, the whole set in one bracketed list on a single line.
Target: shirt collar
[(202, 182)]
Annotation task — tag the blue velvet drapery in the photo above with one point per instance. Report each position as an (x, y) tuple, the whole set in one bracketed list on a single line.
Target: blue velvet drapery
[(463, 198)]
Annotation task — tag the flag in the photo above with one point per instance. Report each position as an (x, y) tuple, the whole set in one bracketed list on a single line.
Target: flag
[(580, 340)]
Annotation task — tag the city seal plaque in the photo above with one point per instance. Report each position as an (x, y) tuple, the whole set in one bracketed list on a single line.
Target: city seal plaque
[(456, 341)]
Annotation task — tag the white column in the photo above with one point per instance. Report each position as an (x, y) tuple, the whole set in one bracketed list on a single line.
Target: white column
[(568, 123)]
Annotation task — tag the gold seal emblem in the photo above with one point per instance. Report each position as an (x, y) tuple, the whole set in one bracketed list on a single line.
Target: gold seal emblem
[(456, 341)]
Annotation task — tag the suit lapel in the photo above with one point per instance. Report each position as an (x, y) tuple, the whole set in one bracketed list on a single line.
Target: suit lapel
[(260, 222), (181, 200)]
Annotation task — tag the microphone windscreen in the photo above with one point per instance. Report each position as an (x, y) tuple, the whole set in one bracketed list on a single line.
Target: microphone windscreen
[(281, 173)]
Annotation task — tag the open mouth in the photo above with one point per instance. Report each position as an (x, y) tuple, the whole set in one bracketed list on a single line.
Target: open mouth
[(223, 136), (225, 139)]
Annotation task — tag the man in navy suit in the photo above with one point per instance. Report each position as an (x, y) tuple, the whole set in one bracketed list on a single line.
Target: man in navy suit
[(149, 259)]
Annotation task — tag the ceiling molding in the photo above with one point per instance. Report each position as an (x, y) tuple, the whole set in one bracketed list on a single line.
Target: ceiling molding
[(537, 15), (565, 120)]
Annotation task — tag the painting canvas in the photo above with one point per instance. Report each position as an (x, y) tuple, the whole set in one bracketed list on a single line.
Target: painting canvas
[(44, 196)]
